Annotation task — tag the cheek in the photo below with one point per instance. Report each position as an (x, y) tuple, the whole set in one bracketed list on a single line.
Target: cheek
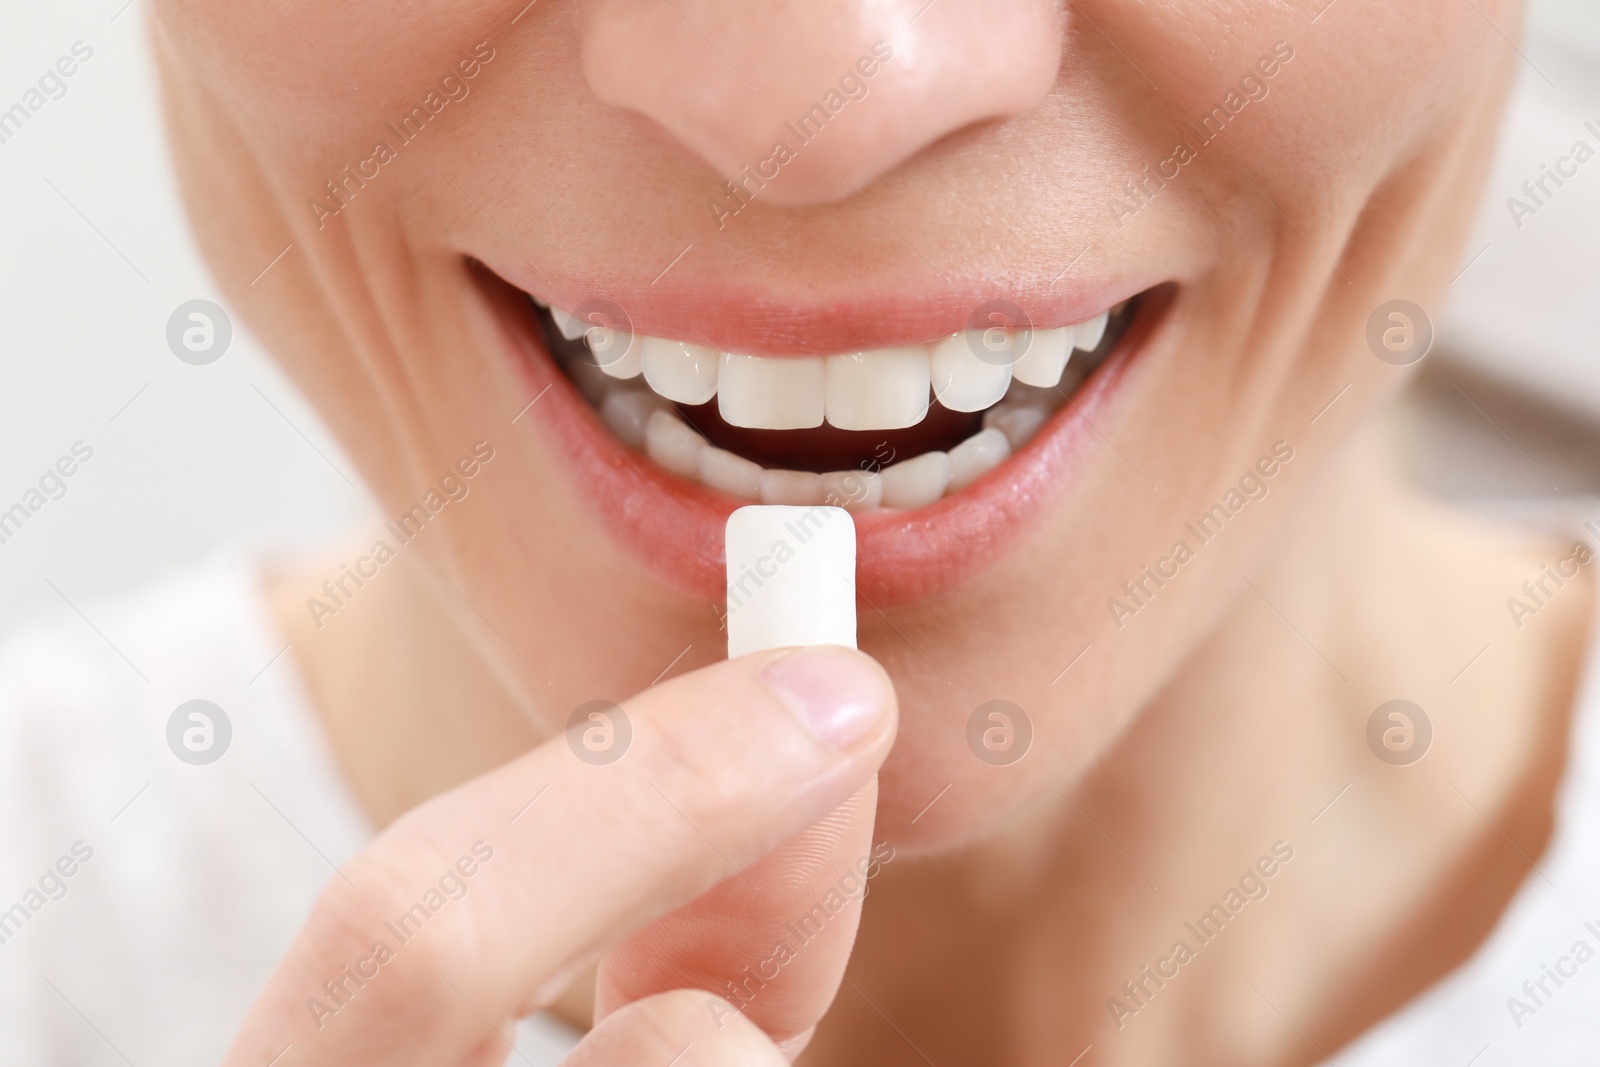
[(1358, 93), (323, 79)]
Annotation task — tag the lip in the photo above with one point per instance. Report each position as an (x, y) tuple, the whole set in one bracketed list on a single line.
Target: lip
[(742, 318), (676, 527)]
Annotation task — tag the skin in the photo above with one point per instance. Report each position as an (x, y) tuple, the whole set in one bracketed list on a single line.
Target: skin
[(1182, 745)]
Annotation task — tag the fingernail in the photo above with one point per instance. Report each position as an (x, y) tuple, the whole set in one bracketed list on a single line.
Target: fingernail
[(838, 693)]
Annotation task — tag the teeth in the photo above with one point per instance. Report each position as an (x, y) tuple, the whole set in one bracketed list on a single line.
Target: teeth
[(570, 328), (730, 474), (961, 380), (881, 389), (977, 456), (1087, 334), (886, 389), (626, 412), (852, 490), (913, 483), (679, 371), (771, 394), (1019, 422), (791, 487), (615, 352), (916, 482), (1046, 357), (672, 445)]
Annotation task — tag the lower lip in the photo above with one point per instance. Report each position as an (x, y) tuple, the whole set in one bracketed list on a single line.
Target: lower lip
[(676, 527)]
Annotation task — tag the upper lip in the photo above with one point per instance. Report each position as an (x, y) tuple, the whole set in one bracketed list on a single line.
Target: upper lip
[(751, 320)]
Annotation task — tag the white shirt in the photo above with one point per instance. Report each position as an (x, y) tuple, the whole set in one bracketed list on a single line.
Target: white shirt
[(188, 882), (197, 876)]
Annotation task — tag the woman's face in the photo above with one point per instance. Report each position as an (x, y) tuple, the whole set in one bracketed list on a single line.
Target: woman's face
[(1253, 179)]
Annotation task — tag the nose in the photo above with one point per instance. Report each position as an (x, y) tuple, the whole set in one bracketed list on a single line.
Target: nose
[(802, 101)]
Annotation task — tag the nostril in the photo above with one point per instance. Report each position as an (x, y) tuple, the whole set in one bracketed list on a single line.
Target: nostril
[(802, 103)]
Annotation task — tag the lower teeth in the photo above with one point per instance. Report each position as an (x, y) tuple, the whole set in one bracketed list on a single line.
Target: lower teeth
[(651, 424)]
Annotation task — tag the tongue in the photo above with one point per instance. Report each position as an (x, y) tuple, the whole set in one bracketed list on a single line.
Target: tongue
[(825, 448)]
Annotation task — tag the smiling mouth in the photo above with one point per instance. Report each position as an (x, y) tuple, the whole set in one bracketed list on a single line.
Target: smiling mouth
[(947, 451), (891, 428)]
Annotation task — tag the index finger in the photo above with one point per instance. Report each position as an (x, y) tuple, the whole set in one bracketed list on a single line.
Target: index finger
[(408, 956)]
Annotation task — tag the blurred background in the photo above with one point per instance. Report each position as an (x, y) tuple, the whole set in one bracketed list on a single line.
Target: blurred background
[(187, 460)]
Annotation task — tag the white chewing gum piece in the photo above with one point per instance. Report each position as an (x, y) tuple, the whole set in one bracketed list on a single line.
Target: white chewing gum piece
[(791, 578)]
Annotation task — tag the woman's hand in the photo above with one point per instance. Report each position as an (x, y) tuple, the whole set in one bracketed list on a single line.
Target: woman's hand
[(745, 796)]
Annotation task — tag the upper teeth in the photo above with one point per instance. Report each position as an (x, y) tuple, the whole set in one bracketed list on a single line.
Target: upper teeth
[(684, 373), (881, 389), (772, 394)]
